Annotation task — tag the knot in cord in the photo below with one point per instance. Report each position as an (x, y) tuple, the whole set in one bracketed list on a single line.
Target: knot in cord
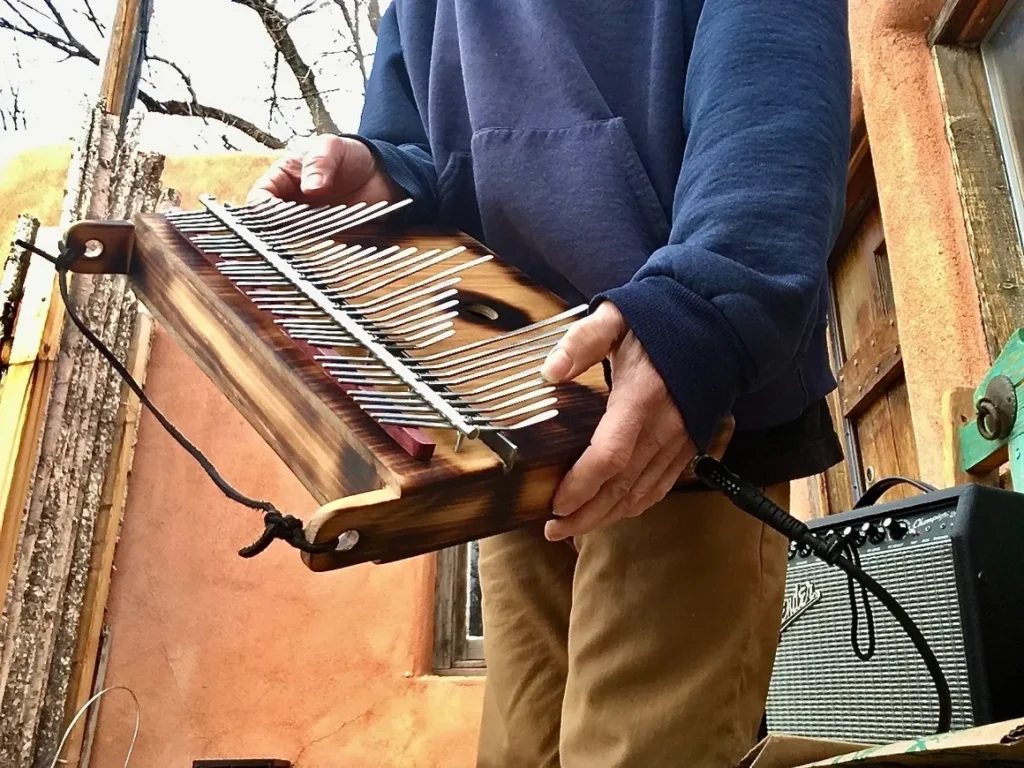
[(287, 528)]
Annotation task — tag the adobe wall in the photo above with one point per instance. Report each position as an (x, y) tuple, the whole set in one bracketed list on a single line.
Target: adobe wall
[(933, 281)]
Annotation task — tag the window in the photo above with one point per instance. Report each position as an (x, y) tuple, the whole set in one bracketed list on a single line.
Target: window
[(458, 619), (1003, 54)]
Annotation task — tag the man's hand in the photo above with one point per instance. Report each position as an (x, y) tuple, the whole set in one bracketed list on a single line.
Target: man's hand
[(640, 447), (329, 170)]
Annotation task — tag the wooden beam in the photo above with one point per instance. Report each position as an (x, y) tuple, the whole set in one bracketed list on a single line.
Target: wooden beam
[(992, 235), (117, 68), (108, 527), (23, 397), (964, 22)]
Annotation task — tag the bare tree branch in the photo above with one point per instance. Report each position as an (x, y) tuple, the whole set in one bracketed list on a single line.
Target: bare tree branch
[(373, 14), (276, 25), (352, 22), (12, 117), (186, 109), (90, 14)]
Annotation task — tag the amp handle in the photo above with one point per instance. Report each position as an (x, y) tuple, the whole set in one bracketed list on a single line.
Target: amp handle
[(875, 492)]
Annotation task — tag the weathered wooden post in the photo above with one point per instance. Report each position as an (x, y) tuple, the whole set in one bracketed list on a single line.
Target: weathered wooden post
[(63, 538)]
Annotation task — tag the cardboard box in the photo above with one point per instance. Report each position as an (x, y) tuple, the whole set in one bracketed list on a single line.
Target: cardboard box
[(1000, 744)]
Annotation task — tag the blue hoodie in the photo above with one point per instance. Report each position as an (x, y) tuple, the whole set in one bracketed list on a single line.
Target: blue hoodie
[(685, 160)]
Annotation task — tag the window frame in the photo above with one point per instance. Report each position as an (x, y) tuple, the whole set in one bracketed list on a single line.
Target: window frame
[(993, 236), (454, 652)]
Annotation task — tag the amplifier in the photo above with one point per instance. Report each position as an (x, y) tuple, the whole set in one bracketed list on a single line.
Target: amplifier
[(954, 559)]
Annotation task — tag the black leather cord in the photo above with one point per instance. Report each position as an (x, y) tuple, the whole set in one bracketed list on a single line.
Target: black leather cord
[(276, 525)]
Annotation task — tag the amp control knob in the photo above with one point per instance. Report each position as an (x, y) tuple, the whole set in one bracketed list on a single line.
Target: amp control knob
[(874, 532), (897, 528), (853, 536)]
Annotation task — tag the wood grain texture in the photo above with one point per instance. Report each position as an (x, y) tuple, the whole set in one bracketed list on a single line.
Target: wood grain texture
[(885, 436), (363, 478), (992, 236), (964, 22), (875, 364), (108, 527)]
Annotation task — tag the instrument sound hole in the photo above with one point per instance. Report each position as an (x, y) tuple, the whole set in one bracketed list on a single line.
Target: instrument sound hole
[(482, 311), (93, 249)]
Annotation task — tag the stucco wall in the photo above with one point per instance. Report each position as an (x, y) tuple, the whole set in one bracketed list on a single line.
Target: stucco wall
[(933, 283)]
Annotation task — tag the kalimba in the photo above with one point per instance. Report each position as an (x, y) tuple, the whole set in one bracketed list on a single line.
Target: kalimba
[(395, 370)]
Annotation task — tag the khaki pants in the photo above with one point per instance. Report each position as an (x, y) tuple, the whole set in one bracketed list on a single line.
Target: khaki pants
[(648, 643)]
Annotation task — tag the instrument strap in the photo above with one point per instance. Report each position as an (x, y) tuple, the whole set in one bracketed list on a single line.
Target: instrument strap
[(277, 525)]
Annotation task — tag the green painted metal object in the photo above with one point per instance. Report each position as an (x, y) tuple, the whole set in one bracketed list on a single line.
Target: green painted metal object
[(997, 434)]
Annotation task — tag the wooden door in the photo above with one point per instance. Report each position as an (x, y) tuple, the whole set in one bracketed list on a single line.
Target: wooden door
[(871, 406)]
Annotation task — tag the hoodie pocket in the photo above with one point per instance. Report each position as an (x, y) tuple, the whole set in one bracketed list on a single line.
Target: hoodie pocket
[(573, 203)]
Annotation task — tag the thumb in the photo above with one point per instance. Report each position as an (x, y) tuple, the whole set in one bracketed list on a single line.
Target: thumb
[(585, 344), (320, 163)]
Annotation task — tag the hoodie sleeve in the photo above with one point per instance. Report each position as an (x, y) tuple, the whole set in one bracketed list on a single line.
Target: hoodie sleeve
[(725, 304), (391, 124)]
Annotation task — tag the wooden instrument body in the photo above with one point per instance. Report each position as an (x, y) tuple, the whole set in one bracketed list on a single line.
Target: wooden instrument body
[(400, 506)]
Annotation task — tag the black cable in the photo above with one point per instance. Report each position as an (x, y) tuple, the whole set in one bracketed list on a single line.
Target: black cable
[(869, 620), (277, 525), (753, 502)]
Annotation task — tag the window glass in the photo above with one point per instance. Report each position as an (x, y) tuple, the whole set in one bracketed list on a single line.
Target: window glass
[(1003, 52)]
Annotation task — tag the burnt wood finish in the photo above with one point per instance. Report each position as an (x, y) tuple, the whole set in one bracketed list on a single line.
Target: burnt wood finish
[(360, 473)]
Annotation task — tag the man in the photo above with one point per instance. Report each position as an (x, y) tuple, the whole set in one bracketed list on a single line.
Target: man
[(680, 164)]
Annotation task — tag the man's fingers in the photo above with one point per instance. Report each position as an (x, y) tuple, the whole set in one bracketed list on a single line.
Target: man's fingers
[(585, 344), (667, 480), (320, 163), (281, 180), (610, 496), (610, 452)]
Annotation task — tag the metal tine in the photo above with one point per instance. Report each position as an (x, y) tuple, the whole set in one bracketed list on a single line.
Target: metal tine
[(376, 269), (430, 310), (261, 283), (491, 386), (481, 362), (346, 294), (286, 223), (384, 212), (318, 223), (540, 405), (363, 261), (283, 210), (348, 323), (413, 408), (329, 261), (416, 331), (511, 334), (531, 340), (511, 354), (439, 424), (447, 334), (240, 269), (402, 297), (269, 301), (406, 398), (459, 380)]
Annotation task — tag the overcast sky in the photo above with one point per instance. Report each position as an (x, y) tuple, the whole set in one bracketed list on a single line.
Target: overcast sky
[(223, 48)]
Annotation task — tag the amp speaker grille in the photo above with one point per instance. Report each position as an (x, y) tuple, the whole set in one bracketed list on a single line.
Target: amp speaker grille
[(821, 689)]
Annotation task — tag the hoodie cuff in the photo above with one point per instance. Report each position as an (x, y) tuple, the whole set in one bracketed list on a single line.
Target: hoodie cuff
[(690, 344), (414, 175)]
